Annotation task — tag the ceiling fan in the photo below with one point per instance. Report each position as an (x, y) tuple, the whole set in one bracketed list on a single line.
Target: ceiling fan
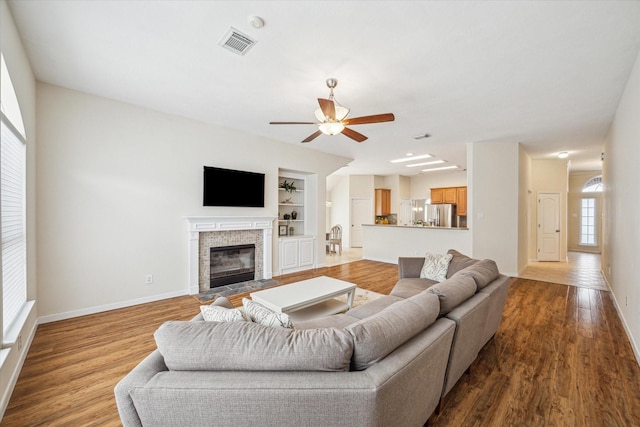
[(332, 118)]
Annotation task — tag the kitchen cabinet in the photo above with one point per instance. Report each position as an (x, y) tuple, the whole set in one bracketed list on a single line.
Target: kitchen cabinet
[(383, 202), (296, 253), (461, 201), (450, 194), (437, 196), (457, 195)]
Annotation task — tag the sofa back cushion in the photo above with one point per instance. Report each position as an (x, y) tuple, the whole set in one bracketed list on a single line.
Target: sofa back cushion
[(454, 291), (246, 346), (483, 272), (376, 336), (458, 262)]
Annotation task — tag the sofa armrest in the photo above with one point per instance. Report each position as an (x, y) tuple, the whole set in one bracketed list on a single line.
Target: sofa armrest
[(138, 377), (409, 267)]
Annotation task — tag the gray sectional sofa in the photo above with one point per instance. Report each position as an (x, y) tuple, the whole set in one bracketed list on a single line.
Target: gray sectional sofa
[(388, 362)]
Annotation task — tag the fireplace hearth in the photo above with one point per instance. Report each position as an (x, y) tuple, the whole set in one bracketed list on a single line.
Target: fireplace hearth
[(231, 264)]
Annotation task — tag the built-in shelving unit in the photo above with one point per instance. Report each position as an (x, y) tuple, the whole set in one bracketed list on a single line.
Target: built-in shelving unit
[(291, 207), (296, 235)]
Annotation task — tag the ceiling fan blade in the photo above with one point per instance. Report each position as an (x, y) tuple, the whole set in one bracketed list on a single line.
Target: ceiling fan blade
[(328, 108), (357, 136), (376, 118), (312, 136), (292, 123)]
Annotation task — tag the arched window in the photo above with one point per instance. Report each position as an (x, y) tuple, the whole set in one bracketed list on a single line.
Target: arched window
[(594, 185)]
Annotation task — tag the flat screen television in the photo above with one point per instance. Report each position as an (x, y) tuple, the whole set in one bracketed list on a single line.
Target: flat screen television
[(228, 187)]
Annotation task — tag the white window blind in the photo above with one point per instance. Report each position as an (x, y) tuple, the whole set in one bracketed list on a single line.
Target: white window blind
[(12, 213)]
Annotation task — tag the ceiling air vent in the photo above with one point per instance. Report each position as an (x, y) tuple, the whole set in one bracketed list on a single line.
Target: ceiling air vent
[(236, 42)]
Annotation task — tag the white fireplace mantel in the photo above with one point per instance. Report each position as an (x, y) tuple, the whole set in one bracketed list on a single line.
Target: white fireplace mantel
[(201, 224)]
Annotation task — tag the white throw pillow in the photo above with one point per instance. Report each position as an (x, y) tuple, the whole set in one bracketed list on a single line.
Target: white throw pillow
[(214, 313), (261, 314), (435, 267)]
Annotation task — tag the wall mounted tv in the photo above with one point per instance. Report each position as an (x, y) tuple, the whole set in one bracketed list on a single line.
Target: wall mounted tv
[(227, 187)]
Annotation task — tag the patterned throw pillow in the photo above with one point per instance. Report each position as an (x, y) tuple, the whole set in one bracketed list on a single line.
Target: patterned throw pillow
[(214, 313), (435, 267), (261, 314)]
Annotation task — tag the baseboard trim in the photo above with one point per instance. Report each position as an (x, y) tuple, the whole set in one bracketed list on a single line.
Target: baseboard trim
[(634, 344), (108, 307), (388, 261)]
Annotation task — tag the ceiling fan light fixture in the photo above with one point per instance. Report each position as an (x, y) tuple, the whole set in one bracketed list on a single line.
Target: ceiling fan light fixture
[(331, 128)]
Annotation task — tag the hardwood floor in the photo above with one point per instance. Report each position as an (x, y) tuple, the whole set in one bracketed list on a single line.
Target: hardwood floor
[(560, 357)]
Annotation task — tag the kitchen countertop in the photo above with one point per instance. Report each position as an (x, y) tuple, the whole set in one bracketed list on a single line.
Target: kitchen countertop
[(415, 226)]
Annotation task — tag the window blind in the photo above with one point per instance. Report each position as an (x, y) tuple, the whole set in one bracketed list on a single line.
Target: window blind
[(12, 221)]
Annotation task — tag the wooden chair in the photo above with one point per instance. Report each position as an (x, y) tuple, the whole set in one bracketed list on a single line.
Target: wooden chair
[(335, 239)]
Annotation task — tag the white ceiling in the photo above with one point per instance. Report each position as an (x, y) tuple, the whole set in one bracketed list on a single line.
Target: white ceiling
[(546, 74)]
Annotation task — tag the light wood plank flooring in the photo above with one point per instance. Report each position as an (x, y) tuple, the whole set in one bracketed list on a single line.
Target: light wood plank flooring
[(581, 269), (560, 358)]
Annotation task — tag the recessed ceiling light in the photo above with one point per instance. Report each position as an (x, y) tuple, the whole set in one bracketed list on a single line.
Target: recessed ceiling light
[(409, 154), (435, 162), (563, 155), (409, 159), (439, 169)]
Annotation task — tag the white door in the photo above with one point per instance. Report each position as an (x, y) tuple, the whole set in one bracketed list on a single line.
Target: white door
[(288, 254), (548, 226), (361, 213), (306, 252)]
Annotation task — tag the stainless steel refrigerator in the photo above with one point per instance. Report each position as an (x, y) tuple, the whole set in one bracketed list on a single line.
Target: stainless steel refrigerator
[(440, 215)]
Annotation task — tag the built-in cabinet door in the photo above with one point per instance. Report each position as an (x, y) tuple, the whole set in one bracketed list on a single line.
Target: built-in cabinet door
[(383, 202), (462, 201), (305, 252), (450, 194), (289, 254), (437, 196)]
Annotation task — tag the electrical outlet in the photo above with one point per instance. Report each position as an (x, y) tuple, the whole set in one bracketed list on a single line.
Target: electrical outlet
[(19, 343), (626, 301), (149, 279)]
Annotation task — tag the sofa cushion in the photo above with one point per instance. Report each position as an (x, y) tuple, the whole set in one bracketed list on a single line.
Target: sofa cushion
[(405, 288), (247, 346), (261, 314), (483, 272), (435, 266), (453, 292), (376, 336), (373, 307), (339, 321), (458, 262), (215, 313)]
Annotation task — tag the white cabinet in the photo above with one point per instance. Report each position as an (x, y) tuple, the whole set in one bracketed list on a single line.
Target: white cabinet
[(296, 253)]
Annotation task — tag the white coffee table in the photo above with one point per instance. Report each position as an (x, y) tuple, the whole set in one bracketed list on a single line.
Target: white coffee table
[(307, 299)]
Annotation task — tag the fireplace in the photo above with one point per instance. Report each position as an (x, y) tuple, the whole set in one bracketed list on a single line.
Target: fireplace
[(208, 232), (231, 264)]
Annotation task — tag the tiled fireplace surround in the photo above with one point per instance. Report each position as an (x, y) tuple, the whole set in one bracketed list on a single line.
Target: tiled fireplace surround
[(207, 232)]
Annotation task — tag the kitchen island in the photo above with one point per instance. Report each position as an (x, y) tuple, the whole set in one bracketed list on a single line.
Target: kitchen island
[(386, 243)]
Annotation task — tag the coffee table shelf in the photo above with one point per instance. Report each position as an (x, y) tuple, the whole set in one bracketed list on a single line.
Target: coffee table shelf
[(307, 299)]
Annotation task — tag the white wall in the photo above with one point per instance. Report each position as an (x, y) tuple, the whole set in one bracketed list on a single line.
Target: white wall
[(526, 199), (622, 208), (115, 183), (386, 243), (493, 170), (24, 83), (422, 184)]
